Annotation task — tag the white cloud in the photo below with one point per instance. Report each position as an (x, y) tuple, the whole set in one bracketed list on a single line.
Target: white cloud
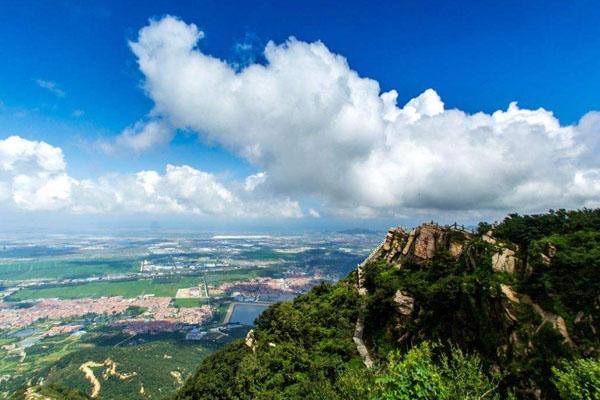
[(50, 86), (315, 127), (140, 137), (33, 176), (314, 213), (253, 181)]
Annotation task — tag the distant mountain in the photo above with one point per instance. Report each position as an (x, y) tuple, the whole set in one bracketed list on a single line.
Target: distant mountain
[(358, 231), (434, 313)]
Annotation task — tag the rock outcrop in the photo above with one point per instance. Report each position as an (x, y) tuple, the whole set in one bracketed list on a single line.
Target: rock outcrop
[(419, 244), (505, 259), (249, 340), (405, 303)]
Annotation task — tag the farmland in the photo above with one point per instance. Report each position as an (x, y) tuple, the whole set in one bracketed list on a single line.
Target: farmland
[(111, 304)]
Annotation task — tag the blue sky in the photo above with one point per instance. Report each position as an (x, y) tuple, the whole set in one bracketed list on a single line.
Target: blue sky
[(69, 78)]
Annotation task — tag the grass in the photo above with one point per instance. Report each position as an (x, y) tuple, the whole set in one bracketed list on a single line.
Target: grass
[(65, 268), (127, 289), (185, 303), (220, 311), (163, 287)]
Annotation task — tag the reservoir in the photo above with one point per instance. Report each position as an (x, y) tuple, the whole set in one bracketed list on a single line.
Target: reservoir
[(246, 313)]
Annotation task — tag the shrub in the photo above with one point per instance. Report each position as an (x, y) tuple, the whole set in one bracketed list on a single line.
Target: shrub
[(578, 380)]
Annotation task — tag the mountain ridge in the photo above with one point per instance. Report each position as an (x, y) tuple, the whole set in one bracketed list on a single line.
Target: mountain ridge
[(496, 295)]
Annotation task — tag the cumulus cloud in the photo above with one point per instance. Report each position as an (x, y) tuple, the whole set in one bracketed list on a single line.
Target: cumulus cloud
[(50, 86), (316, 127), (140, 137), (33, 176)]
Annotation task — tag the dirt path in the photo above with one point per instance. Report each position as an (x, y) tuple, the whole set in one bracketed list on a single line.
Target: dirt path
[(360, 324), (86, 368), (110, 370)]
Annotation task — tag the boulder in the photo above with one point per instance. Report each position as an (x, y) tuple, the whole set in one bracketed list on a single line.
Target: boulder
[(249, 340), (456, 249), (550, 250), (404, 303), (504, 260)]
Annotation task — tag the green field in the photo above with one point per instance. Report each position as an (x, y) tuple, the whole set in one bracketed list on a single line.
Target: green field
[(130, 288), (66, 268), (219, 312), (183, 303), (166, 286)]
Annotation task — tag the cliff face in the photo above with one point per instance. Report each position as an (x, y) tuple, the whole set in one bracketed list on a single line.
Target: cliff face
[(424, 242), (439, 283)]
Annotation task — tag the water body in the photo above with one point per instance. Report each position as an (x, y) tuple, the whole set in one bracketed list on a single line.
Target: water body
[(246, 313), (23, 333)]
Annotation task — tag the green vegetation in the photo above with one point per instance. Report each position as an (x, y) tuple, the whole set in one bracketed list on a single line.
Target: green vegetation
[(523, 229), (152, 358), (129, 288), (578, 380), (183, 303), (417, 375), (470, 332), (165, 286), (140, 356), (51, 391), (487, 346), (304, 349), (219, 312), (33, 365), (61, 268), (39, 357)]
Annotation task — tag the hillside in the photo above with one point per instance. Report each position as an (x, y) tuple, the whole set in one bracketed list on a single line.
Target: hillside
[(510, 311)]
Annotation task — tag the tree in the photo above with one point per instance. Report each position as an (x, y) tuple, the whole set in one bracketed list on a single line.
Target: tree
[(417, 376), (578, 380)]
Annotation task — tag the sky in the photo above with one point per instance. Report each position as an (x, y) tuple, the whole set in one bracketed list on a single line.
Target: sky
[(264, 115)]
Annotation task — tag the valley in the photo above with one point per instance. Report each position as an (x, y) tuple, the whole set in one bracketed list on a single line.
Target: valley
[(154, 307)]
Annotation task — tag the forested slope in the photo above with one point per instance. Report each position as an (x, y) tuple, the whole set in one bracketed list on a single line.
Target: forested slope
[(510, 311)]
